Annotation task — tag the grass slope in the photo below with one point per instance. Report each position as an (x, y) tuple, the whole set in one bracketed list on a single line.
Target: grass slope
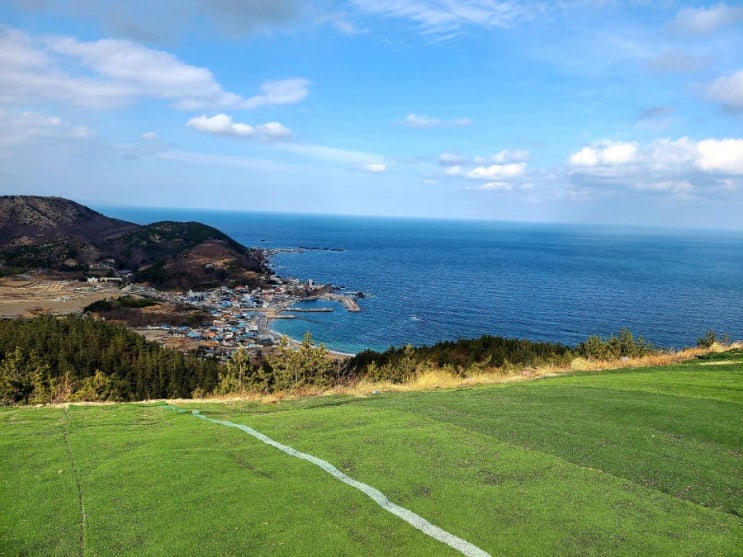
[(640, 462)]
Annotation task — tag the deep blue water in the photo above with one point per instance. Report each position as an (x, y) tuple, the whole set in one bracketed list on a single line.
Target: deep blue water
[(431, 280)]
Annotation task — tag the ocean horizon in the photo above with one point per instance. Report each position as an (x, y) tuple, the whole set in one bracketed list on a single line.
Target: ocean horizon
[(430, 280)]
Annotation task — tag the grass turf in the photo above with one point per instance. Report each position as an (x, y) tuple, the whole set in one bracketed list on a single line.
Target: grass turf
[(646, 461)]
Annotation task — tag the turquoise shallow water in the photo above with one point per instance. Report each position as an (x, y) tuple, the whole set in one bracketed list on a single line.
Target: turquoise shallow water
[(430, 280)]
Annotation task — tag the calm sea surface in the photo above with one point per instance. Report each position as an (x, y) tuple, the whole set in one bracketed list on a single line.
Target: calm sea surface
[(431, 280)]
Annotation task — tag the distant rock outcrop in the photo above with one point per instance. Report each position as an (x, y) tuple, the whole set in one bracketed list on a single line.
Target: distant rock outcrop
[(58, 234)]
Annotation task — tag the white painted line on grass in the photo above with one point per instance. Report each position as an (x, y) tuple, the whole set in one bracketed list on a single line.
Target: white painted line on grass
[(463, 546)]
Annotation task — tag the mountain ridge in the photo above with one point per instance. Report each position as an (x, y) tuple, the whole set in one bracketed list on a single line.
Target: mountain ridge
[(61, 235)]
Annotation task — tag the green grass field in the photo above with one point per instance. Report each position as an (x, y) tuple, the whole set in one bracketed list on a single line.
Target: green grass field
[(634, 462)]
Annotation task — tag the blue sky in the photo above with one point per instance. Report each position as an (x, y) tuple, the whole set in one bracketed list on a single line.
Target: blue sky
[(616, 112)]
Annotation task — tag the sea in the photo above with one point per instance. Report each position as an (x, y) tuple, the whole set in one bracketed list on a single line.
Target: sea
[(426, 280)]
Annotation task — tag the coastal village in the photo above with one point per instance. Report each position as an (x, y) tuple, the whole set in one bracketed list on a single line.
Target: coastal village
[(240, 316)]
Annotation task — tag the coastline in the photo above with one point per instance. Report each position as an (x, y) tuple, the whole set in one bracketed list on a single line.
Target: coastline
[(274, 315), (297, 343)]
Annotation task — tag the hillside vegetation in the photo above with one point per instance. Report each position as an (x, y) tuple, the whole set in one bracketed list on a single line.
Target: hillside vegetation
[(634, 462), (48, 359)]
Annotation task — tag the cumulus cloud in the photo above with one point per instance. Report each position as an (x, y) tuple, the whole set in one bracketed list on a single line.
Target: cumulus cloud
[(679, 166), (493, 172), (220, 124), (604, 153), (445, 16), (223, 124), (419, 121), (502, 171), (274, 130), (724, 156), (704, 21), (112, 72), (728, 91)]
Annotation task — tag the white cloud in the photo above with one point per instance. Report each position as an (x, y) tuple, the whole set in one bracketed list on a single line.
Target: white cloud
[(274, 130), (223, 124), (497, 186), (679, 187), (604, 153), (502, 171), (25, 126), (149, 136), (668, 155), (286, 91), (447, 16), (681, 166), (728, 91), (724, 156), (220, 124), (112, 72), (703, 21), (419, 121), (461, 122), (416, 121), (335, 155), (374, 167), (496, 171)]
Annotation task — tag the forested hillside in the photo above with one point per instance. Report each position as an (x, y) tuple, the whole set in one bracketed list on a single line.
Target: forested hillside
[(47, 359)]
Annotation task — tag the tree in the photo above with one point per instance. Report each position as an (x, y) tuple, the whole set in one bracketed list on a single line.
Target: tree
[(98, 388), (306, 365), (233, 377), (708, 340), (15, 384)]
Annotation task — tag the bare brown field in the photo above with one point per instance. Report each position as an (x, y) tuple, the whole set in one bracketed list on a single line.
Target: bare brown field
[(27, 296)]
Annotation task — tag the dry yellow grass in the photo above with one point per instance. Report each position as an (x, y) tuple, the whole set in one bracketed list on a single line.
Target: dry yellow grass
[(429, 378)]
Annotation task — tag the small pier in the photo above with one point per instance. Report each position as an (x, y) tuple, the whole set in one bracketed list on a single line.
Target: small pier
[(349, 302)]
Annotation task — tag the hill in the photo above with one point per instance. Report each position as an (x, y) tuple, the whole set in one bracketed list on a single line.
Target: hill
[(57, 234), (630, 462)]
